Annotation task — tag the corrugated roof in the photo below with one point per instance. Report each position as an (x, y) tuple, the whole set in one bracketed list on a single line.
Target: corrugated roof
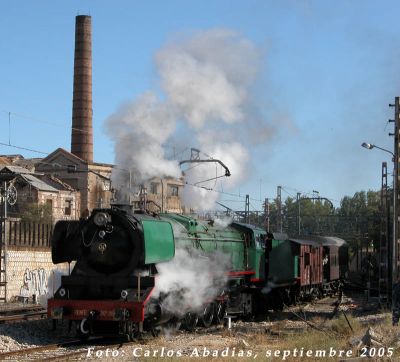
[(4, 161), (321, 240), (55, 182), (16, 169), (280, 236), (305, 242), (38, 184), (331, 240)]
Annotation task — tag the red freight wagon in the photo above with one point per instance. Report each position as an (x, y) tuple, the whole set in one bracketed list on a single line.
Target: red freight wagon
[(310, 262)]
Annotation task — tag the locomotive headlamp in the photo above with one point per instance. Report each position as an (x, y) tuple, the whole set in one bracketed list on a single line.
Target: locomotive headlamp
[(62, 292), (101, 219), (124, 294)]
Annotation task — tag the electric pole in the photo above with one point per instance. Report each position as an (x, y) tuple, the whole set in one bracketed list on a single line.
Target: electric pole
[(394, 245), (298, 213), (279, 209), (247, 210), (266, 213), (396, 211)]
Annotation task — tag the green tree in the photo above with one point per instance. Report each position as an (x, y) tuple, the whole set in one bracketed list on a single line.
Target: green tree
[(37, 213), (357, 219)]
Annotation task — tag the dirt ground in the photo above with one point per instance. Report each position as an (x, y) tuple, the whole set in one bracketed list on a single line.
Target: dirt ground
[(354, 330)]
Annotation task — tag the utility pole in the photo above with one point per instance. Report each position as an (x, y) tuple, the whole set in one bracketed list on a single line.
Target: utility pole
[(396, 211), (298, 213), (143, 198), (247, 210), (266, 213), (279, 209), (384, 282)]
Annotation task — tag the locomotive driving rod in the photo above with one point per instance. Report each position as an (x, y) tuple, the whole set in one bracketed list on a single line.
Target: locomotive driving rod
[(227, 172)]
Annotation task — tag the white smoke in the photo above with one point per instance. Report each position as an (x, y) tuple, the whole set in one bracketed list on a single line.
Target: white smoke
[(233, 154), (190, 281), (223, 221), (207, 80), (208, 75), (140, 129)]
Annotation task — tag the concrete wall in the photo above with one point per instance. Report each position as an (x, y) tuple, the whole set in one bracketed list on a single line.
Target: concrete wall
[(30, 271)]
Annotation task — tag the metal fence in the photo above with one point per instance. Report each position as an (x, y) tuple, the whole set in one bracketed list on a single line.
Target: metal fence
[(20, 233)]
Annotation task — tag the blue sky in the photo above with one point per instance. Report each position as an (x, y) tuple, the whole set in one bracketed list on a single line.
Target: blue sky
[(329, 71)]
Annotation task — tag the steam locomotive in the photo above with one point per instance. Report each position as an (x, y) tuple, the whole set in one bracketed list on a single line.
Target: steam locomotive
[(115, 286)]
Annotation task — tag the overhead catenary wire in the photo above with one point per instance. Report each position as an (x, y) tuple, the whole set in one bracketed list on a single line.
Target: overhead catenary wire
[(63, 125), (284, 188), (221, 192)]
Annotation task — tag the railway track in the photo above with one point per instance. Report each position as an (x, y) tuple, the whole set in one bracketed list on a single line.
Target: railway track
[(53, 352), (75, 349), (23, 316)]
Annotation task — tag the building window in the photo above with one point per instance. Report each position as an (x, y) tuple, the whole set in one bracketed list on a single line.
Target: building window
[(154, 188), (106, 185), (68, 207), (49, 204), (172, 190)]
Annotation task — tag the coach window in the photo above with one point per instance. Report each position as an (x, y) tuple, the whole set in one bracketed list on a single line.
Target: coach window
[(306, 259), (260, 241)]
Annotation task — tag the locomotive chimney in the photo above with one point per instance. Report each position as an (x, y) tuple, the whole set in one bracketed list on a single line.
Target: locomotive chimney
[(82, 132)]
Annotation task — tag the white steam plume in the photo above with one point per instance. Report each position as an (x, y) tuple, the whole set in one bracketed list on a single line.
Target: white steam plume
[(190, 280), (140, 129), (207, 80), (208, 75), (232, 154), (223, 221)]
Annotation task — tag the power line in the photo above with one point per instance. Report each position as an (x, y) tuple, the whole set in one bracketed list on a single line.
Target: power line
[(24, 148), (283, 189), (44, 122)]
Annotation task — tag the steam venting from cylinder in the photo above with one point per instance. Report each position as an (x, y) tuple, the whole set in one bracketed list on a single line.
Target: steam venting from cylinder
[(82, 113)]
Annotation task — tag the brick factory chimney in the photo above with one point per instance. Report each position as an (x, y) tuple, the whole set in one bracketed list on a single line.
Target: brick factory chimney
[(82, 132)]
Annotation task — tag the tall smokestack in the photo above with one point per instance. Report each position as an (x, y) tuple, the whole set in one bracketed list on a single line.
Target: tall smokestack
[(82, 132)]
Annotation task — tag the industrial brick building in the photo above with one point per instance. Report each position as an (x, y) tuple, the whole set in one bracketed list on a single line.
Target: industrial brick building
[(91, 179)]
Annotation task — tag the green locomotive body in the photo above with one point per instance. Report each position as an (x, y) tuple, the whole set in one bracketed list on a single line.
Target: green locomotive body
[(117, 253), (117, 256)]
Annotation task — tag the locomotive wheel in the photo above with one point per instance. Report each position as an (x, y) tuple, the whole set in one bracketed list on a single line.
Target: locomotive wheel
[(219, 312), (190, 321), (315, 294), (207, 315), (82, 330), (155, 331)]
